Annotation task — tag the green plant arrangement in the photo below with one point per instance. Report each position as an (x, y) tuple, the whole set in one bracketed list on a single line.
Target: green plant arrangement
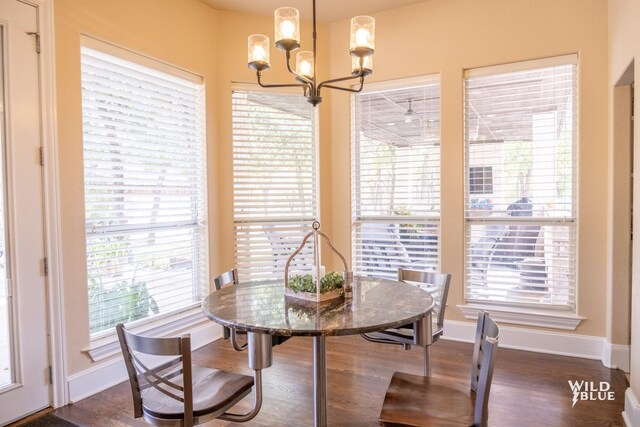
[(317, 286), (304, 283)]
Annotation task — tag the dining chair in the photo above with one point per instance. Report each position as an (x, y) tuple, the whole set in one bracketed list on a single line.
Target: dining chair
[(177, 393), (437, 284), (230, 278), (415, 400)]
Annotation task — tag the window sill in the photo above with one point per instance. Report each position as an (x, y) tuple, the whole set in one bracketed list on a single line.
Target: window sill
[(107, 346), (524, 316)]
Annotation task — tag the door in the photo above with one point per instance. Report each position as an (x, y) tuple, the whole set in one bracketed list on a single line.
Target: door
[(24, 348)]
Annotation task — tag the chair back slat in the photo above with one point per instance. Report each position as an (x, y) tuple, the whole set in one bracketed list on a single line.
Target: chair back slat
[(438, 287), (227, 278), (168, 371), (481, 410), (131, 371), (158, 377), (486, 329), (152, 378), (154, 346)]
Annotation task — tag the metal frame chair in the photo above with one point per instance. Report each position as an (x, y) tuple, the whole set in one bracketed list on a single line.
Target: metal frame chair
[(438, 286), (230, 278), (177, 393), (414, 400)]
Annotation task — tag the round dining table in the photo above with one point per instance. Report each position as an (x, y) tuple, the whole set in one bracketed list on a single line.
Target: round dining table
[(374, 305)]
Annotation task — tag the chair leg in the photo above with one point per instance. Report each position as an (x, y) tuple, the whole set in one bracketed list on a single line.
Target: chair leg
[(427, 360)]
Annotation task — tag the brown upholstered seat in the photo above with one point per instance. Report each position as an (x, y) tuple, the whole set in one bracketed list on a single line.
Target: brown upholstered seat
[(213, 390), (175, 392), (413, 400)]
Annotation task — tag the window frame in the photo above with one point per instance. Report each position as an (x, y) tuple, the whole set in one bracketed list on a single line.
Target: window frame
[(104, 343), (528, 314), (307, 221), (430, 220)]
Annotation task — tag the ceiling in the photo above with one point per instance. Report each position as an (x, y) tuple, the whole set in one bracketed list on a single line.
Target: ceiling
[(327, 10)]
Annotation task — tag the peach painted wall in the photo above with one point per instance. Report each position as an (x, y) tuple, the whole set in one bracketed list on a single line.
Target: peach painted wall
[(180, 33), (446, 37), (438, 36)]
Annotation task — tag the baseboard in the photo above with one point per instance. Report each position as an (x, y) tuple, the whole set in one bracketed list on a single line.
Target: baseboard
[(535, 340), (631, 414), (107, 374), (616, 356)]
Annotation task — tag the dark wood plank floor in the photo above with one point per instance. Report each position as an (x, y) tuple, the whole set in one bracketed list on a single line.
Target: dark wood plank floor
[(529, 389)]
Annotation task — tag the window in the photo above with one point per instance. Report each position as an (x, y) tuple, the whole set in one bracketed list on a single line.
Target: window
[(396, 178), (481, 180), (145, 187), (521, 218), (275, 198)]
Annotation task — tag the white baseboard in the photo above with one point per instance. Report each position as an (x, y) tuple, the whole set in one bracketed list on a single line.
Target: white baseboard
[(631, 414), (616, 356), (539, 341), (101, 376)]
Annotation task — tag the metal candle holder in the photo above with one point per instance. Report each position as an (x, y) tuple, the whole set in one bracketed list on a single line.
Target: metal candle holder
[(347, 275)]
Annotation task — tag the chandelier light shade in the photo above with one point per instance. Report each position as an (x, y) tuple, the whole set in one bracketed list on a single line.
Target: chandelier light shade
[(287, 38), (258, 52), (304, 64), (287, 28), (362, 36)]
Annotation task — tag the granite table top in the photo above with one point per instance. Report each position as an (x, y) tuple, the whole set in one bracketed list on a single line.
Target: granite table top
[(263, 307)]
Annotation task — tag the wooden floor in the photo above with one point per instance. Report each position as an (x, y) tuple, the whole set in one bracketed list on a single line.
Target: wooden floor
[(529, 389)]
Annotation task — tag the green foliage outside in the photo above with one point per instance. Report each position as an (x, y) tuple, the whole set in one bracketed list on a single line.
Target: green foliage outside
[(304, 283), (126, 301)]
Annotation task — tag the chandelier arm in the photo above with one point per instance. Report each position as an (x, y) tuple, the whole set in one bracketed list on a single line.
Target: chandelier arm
[(299, 76), (327, 84), (360, 75), (304, 85), (347, 89)]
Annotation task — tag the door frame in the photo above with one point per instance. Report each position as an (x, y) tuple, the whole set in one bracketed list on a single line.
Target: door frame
[(51, 202)]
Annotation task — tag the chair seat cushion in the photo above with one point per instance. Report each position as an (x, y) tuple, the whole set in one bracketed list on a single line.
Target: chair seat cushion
[(213, 390), (414, 400)]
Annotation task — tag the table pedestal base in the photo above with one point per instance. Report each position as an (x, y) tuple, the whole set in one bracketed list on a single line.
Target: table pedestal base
[(320, 381)]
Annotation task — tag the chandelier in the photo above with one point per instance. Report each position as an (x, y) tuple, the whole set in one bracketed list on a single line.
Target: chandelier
[(287, 35)]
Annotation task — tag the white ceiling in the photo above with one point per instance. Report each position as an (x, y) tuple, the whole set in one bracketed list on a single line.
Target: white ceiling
[(327, 10)]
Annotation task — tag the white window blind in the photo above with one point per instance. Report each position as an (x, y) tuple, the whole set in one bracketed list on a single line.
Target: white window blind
[(275, 189), (145, 190), (520, 206), (396, 178)]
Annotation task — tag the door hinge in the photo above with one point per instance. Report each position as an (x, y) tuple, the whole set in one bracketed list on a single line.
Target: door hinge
[(46, 266), (41, 156), (33, 33), (50, 375)]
